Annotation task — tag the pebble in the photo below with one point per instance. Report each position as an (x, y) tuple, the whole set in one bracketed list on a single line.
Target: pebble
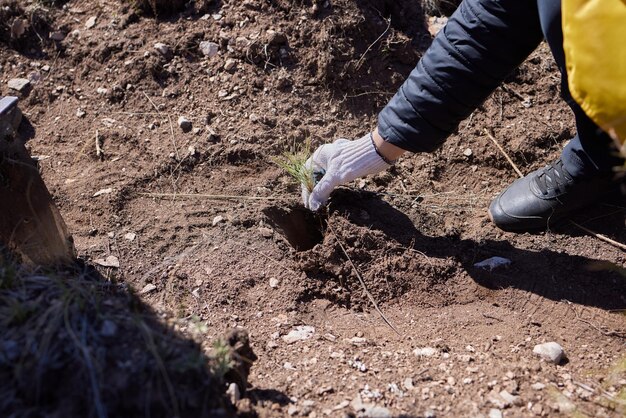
[(130, 236), (537, 386), (209, 49), (408, 383), (217, 220), (292, 410), (358, 341), (108, 328), (467, 152), (551, 352), (19, 84), (266, 232), (230, 65), (162, 48), (302, 332), (101, 192), (376, 412), (425, 352), (493, 263), (233, 393), (148, 289), (80, 113), (184, 124), (274, 282), (110, 261), (495, 413), (91, 22), (102, 91)]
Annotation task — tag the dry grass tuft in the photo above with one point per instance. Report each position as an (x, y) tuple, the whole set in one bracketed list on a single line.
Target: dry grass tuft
[(294, 163)]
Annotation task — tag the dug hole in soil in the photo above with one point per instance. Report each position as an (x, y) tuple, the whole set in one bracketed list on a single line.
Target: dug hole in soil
[(214, 232)]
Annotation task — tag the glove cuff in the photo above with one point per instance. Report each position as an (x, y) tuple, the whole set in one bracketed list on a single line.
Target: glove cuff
[(363, 157)]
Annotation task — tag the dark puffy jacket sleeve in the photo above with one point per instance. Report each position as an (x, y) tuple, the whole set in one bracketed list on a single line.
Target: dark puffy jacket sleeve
[(483, 41)]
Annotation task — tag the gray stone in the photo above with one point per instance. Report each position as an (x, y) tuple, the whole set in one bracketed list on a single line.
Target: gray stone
[(148, 289), (184, 124), (19, 84), (80, 113), (57, 36), (376, 412), (299, 333), (209, 49), (274, 282), (425, 352), (162, 48), (230, 65), (550, 352)]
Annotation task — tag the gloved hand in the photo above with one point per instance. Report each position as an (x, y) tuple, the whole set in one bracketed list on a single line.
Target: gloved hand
[(340, 162)]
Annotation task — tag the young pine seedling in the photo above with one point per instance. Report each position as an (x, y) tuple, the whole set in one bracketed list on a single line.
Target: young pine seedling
[(294, 163)]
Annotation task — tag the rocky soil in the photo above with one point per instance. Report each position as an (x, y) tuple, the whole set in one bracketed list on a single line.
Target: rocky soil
[(156, 138)]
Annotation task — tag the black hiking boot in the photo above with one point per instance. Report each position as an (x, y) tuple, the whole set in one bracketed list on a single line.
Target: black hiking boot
[(544, 197)]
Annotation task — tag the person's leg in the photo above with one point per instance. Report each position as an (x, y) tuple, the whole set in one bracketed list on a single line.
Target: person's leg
[(578, 178), (590, 151)]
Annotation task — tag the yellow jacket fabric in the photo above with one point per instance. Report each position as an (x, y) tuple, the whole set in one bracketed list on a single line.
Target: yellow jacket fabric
[(594, 41)]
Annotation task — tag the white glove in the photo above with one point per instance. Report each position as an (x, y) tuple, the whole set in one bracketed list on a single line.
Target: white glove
[(340, 162)]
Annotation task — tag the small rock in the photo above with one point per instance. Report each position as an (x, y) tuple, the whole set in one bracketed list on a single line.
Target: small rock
[(162, 49), (492, 263), (45, 68), (108, 328), (467, 381), (19, 84), (91, 22), (110, 261), (276, 38), (209, 49), (430, 414), (495, 413), (148, 289), (217, 220), (266, 232), (108, 190), (376, 412), (18, 28), (230, 65), (564, 404), (537, 386), (80, 113), (425, 352), (233, 393), (550, 352), (57, 36), (358, 341), (467, 152), (184, 124), (302, 332), (408, 383), (130, 236), (274, 282), (102, 91), (292, 410)]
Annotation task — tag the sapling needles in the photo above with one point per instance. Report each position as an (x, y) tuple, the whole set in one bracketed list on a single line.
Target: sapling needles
[(294, 164)]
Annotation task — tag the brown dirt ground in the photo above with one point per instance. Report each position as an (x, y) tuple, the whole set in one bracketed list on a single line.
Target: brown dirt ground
[(414, 233)]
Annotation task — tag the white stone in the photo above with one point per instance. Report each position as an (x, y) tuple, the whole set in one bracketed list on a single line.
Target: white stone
[(148, 288), (110, 261), (302, 332), (217, 220), (230, 65), (162, 48), (130, 236), (233, 393), (550, 352), (425, 352), (274, 282), (495, 413), (91, 22), (80, 113), (209, 49), (537, 386)]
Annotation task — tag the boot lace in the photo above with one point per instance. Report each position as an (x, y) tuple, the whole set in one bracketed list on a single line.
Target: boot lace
[(553, 177)]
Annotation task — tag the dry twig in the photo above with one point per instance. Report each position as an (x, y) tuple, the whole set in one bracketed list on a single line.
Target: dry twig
[(360, 61), (517, 170), (208, 196), (601, 237)]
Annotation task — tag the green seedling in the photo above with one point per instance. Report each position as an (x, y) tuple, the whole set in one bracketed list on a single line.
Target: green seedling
[(294, 163)]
